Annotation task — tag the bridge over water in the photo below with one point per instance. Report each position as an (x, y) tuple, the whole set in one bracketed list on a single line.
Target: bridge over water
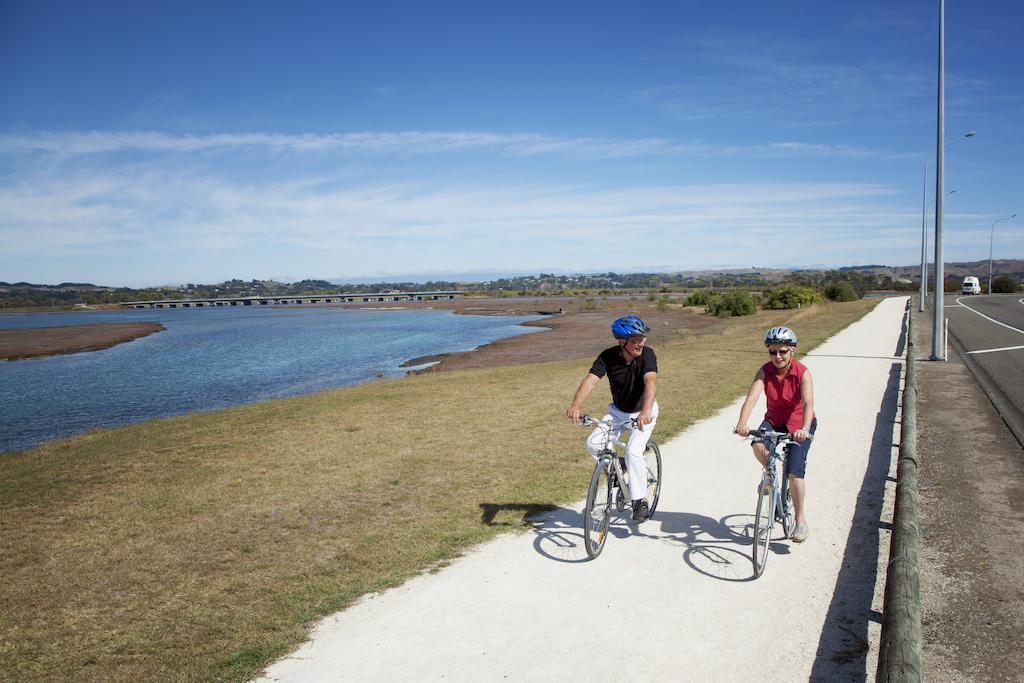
[(295, 299)]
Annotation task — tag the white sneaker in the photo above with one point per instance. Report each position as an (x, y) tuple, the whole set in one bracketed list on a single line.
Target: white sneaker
[(800, 533)]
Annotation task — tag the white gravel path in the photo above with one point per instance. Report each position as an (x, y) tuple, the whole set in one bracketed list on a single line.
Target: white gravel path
[(675, 596)]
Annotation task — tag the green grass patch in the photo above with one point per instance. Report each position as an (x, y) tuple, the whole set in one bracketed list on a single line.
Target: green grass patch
[(204, 546)]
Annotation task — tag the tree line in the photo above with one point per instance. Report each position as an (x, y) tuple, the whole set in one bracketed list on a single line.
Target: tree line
[(837, 285)]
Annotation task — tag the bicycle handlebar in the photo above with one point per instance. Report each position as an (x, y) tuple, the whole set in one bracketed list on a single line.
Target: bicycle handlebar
[(771, 433), (587, 420)]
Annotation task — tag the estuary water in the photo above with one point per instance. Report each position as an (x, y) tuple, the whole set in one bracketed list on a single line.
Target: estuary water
[(210, 358)]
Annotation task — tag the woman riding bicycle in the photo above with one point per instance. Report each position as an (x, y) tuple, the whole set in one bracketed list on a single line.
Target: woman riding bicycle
[(632, 370), (789, 390)]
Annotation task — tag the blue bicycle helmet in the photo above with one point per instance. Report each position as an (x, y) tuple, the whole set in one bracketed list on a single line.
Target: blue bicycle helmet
[(629, 326)]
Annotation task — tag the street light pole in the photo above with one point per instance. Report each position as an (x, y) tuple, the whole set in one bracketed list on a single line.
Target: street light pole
[(991, 234), (938, 350), (926, 236), (924, 221)]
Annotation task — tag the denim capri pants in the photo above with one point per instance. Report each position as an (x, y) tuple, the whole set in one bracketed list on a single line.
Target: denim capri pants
[(796, 460)]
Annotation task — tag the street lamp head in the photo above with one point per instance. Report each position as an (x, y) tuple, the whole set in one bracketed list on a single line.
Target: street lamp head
[(970, 134)]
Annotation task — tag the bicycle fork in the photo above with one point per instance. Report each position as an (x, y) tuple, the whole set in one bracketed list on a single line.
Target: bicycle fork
[(617, 479), (780, 504)]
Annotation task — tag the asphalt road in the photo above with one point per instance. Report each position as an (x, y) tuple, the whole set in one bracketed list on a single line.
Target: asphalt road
[(990, 331)]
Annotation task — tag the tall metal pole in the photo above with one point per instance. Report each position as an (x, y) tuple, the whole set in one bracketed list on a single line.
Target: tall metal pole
[(938, 350), (992, 234), (924, 220)]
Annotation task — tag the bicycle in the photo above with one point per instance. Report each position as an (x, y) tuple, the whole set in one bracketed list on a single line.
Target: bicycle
[(774, 501), (609, 485)]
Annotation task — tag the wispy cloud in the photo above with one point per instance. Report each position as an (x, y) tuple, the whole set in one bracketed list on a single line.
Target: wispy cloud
[(99, 209), (96, 196), (744, 77), (75, 143)]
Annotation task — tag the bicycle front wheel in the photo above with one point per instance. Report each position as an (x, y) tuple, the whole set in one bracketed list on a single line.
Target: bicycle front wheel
[(598, 510), (652, 457), (764, 520)]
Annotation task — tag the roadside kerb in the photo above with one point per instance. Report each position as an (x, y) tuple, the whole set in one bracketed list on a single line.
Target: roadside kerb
[(899, 657)]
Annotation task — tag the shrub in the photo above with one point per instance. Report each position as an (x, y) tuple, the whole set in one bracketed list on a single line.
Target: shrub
[(791, 296), (732, 304), (590, 305), (840, 291), (1004, 285), (699, 298)]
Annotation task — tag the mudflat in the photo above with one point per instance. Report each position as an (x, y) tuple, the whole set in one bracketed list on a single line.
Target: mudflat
[(575, 328), (51, 341)]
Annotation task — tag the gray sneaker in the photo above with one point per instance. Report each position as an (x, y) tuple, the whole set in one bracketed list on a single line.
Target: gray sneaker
[(800, 533)]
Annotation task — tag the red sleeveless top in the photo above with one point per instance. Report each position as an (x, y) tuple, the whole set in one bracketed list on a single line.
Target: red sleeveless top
[(785, 406)]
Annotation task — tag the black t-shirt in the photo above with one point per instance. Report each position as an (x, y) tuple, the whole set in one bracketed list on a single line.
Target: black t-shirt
[(626, 379)]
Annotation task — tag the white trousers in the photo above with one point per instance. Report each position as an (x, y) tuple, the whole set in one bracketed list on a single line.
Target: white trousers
[(636, 467)]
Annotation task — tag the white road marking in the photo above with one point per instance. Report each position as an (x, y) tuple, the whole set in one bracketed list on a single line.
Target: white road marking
[(1005, 348), (1009, 327)]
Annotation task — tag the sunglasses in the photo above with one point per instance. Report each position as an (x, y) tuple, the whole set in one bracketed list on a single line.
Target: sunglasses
[(780, 353)]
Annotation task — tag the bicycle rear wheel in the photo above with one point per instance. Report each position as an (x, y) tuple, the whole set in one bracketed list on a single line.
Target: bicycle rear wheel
[(652, 457), (764, 520), (598, 510)]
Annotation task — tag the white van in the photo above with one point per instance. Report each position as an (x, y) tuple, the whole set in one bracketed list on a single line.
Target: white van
[(971, 285)]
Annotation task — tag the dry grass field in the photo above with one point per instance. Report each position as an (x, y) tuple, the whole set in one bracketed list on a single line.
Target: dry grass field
[(203, 546)]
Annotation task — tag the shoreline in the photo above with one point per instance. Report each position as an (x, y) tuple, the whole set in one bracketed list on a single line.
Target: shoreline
[(573, 327), (40, 342), (580, 332), (423, 360)]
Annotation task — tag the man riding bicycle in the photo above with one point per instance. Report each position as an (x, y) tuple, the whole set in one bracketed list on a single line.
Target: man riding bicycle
[(789, 391), (632, 370)]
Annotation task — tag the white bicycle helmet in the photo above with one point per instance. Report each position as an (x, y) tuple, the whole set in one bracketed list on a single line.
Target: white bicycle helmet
[(780, 335)]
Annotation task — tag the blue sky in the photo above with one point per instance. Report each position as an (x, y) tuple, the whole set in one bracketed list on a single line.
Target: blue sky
[(169, 142)]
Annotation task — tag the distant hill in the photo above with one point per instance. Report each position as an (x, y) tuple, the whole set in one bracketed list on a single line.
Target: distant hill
[(864, 278), (1012, 267)]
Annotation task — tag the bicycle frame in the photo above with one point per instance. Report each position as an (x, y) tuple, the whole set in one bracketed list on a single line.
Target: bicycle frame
[(779, 504), (777, 462), (610, 480), (612, 455)]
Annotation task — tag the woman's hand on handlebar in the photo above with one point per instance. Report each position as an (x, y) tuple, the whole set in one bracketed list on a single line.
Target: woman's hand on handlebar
[(742, 430)]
